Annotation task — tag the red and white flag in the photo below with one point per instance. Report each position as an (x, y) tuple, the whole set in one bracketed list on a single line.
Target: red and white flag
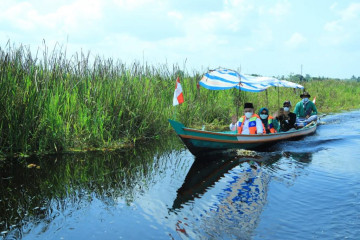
[(314, 100), (178, 94)]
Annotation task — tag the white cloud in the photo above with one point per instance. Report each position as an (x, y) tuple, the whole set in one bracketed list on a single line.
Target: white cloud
[(72, 17), (295, 40), (20, 15), (280, 9), (139, 4), (351, 13), (230, 30), (333, 26), (262, 36), (211, 23), (333, 6), (343, 30), (175, 15)]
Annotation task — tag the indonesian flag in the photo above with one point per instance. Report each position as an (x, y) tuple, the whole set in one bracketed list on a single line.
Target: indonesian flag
[(314, 100), (178, 94)]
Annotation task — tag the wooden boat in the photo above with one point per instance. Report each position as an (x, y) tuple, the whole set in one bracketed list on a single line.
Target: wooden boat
[(200, 142)]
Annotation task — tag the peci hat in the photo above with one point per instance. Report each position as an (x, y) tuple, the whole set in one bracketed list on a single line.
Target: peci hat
[(305, 94), (248, 105), (287, 102)]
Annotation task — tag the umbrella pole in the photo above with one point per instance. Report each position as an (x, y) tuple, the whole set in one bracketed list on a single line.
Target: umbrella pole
[(238, 101), (237, 105), (267, 99), (278, 97)]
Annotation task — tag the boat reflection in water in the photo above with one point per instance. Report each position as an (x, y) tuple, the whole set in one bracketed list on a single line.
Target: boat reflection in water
[(232, 208)]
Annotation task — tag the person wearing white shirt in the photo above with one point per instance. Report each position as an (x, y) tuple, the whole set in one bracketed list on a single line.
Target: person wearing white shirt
[(250, 123)]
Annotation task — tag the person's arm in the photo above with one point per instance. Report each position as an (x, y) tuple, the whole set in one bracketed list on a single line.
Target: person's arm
[(276, 124), (233, 123), (292, 120), (297, 109), (314, 112), (259, 126)]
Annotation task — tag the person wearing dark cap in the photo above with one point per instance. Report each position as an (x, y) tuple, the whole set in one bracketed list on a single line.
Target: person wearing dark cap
[(305, 110), (250, 123), (287, 119)]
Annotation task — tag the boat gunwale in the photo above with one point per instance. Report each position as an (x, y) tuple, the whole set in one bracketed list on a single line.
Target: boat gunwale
[(277, 138), (271, 135)]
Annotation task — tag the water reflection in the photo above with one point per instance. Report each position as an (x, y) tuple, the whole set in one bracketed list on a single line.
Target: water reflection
[(202, 175), (233, 191), (239, 206), (161, 192), (205, 173), (34, 200), (227, 193)]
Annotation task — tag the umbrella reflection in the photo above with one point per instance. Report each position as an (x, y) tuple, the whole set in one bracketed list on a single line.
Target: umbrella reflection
[(236, 201)]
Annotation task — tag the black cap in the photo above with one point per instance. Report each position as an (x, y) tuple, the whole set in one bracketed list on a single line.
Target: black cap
[(248, 105), (287, 103), (305, 94)]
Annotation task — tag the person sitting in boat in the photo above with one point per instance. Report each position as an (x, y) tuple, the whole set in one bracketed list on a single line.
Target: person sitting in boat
[(267, 120), (287, 119), (250, 123), (305, 110), (278, 113)]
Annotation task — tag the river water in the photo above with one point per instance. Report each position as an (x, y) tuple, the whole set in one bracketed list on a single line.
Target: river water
[(307, 189)]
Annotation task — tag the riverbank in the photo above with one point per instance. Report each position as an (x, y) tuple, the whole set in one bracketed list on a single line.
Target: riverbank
[(62, 104)]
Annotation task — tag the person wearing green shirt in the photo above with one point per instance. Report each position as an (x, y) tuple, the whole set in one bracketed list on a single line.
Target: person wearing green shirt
[(305, 110)]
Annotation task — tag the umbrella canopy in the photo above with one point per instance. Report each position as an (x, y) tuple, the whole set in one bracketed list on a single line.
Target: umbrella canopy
[(222, 79)]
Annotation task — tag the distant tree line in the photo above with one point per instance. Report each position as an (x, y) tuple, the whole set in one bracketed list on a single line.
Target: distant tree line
[(307, 78), (353, 78)]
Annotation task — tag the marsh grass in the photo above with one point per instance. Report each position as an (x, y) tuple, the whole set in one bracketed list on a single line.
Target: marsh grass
[(54, 103)]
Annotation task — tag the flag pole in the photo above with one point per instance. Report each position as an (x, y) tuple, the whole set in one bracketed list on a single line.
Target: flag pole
[(174, 113), (267, 98), (278, 96)]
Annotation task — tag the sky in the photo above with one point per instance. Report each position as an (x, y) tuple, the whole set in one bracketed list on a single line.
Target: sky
[(269, 38)]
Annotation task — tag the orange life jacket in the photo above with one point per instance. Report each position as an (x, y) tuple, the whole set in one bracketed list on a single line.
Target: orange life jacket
[(270, 124), (252, 124)]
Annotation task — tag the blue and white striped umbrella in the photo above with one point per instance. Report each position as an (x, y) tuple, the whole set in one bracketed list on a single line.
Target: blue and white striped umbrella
[(222, 79)]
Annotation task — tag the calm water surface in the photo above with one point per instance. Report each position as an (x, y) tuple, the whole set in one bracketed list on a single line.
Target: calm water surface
[(307, 189)]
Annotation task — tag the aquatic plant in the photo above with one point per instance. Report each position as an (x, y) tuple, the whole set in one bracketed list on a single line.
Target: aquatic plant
[(54, 103)]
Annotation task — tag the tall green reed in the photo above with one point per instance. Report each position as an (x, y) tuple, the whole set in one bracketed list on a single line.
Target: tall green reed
[(50, 102)]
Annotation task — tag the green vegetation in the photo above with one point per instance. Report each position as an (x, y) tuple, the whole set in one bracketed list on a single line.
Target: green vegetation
[(54, 103)]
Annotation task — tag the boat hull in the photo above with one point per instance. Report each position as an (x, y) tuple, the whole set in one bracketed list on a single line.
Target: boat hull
[(201, 142)]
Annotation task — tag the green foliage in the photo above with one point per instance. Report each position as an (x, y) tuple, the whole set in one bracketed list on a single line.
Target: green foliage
[(52, 104)]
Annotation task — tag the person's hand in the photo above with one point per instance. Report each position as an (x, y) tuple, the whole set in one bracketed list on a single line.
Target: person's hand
[(281, 113), (307, 116), (234, 119)]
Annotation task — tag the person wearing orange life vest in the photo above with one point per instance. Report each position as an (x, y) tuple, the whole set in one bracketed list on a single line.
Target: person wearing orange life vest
[(267, 120), (250, 123)]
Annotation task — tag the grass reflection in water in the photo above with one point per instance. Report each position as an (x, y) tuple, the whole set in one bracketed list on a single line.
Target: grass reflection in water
[(35, 191)]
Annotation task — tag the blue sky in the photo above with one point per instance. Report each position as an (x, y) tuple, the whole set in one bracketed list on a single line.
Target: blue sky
[(270, 38)]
